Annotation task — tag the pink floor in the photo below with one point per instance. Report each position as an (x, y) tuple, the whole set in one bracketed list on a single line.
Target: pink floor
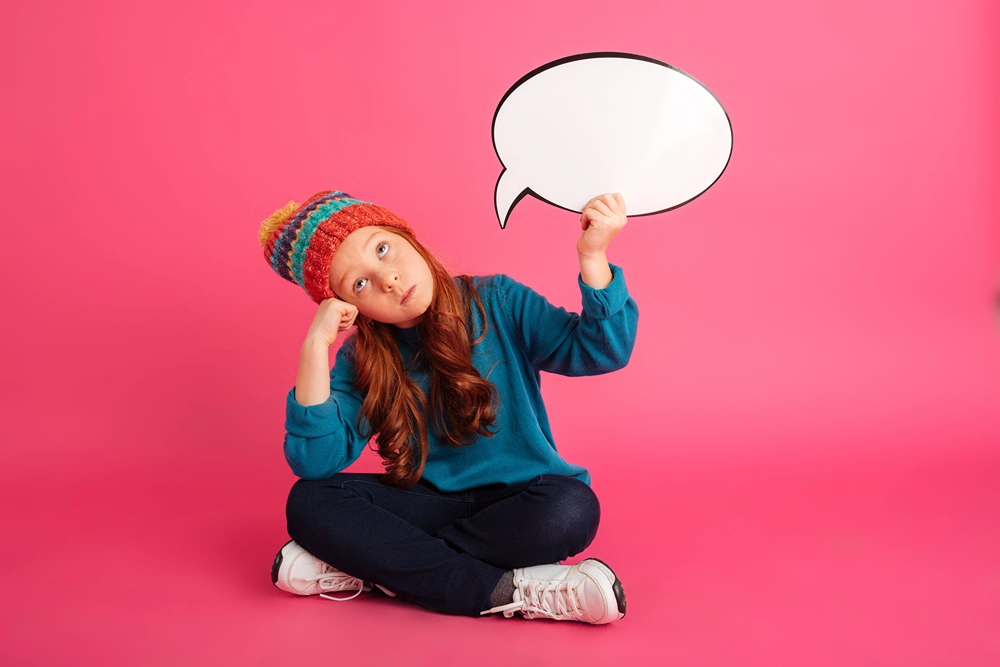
[(876, 562)]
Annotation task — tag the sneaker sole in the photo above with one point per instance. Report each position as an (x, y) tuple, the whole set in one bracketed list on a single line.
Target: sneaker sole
[(616, 587), (279, 558), (277, 563)]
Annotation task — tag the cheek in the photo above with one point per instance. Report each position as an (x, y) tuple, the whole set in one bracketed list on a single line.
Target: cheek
[(365, 307), (424, 267)]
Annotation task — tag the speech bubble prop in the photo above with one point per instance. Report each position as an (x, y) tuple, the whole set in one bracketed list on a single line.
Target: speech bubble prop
[(584, 125)]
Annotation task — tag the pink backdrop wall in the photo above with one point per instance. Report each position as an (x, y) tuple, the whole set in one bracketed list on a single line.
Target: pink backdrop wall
[(830, 300), (832, 293)]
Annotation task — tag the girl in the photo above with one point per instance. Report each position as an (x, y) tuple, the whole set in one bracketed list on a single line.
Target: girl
[(476, 508)]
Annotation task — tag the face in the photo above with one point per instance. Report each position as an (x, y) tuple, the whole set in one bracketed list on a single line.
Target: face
[(383, 275)]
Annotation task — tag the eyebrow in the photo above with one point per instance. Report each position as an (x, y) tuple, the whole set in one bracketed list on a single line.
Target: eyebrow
[(367, 243)]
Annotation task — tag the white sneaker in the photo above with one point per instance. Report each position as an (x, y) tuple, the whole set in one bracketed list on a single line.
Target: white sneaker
[(587, 591), (297, 571)]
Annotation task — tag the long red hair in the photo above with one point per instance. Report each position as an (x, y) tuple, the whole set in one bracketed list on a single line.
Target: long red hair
[(461, 403)]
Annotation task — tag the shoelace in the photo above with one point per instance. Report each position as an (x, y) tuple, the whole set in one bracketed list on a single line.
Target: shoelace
[(332, 579), (555, 599)]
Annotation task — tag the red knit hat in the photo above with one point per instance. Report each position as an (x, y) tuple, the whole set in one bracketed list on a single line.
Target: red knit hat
[(299, 240)]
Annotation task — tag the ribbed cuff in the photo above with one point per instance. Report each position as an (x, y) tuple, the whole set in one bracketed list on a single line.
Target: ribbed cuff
[(604, 303), (312, 421)]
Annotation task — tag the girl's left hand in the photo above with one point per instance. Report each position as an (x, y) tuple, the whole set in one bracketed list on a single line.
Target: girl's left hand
[(603, 217)]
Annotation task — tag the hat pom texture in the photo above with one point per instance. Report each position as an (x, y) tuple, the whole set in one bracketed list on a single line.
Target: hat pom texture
[(277, 219), (299, 240)]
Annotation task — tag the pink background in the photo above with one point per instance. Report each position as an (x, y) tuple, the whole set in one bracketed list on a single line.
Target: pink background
[(799, 466)]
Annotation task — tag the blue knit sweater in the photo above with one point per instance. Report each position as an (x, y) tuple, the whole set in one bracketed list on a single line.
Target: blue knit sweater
[(527, 334)]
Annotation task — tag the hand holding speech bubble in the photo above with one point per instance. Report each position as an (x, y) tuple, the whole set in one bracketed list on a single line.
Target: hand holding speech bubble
[(609, 122)]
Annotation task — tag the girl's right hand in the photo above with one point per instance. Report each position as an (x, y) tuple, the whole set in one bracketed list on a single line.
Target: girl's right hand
[(332, 317)]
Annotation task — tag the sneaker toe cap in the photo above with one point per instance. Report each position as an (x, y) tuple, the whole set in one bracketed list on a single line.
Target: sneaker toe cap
[(605, 596)]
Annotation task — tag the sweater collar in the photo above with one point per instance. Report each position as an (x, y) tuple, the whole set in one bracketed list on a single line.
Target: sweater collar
[(409, 335)]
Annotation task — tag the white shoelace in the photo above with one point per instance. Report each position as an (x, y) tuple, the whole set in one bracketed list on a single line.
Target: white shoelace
[(332, 579), (554, 599)]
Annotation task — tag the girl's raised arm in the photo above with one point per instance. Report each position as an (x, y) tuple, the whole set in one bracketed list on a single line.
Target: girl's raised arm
[(558, 341), (321, 439), (602, 218), (332, 317), (601, 339)]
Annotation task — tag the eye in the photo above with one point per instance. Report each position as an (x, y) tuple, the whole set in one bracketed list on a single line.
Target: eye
[(360, 284), (382, 249)]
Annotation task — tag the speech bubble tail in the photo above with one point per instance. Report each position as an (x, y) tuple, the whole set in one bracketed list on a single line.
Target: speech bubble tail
[(508, 192)]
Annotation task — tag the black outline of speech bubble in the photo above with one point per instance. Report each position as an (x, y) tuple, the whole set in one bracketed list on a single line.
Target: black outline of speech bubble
[(586, 56)]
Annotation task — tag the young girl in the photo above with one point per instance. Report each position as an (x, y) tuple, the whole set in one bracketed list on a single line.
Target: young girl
[(476, 508)]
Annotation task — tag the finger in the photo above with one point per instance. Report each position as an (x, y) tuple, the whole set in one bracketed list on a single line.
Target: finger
[(591, 202), (612, 201), (621, 202), (602, 207)]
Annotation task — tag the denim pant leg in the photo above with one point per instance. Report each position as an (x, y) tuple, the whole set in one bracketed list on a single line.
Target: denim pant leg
[(547, 520), (384, 535)]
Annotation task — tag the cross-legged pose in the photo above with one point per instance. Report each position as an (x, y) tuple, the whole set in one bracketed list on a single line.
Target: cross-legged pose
[(476, 508)]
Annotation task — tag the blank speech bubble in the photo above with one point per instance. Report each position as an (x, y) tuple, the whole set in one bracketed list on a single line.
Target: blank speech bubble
[(589, 124)]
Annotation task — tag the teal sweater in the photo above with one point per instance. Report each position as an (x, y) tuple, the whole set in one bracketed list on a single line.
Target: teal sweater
[(527, 334)]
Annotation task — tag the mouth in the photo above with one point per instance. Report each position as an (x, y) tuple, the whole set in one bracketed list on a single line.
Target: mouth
[(408, 296)]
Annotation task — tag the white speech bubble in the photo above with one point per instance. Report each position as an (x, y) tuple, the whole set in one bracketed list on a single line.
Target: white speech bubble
[(594, 123)]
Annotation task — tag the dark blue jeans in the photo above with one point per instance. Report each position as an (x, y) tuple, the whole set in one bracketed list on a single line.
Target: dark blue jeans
[(445, 551)]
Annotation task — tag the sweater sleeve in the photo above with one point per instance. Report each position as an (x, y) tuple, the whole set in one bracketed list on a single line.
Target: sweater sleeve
[(558, 341), (321, 440)]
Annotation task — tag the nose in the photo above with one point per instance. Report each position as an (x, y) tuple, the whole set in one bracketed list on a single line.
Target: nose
[(390, 280)]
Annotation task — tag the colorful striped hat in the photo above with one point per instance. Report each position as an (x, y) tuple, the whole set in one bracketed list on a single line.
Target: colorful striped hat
[(299, 240)]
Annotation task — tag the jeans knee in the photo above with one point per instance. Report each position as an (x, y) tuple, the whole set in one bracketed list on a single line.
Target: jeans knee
[(576, 514), (303, 501)]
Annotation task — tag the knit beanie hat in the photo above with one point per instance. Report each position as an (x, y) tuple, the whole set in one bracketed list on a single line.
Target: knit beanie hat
[(299, 240)]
